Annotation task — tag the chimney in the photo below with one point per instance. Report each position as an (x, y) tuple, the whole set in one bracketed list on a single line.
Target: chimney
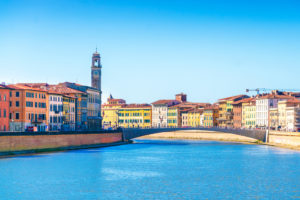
[(181, 97)]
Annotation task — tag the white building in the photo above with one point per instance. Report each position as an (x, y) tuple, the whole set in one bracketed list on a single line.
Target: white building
[(55, 118), (160, 112), (264, 104)]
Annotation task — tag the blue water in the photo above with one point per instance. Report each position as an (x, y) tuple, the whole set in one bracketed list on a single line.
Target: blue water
[(155, 169)]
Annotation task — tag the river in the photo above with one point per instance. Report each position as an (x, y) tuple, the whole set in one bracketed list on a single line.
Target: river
[(155, 169)]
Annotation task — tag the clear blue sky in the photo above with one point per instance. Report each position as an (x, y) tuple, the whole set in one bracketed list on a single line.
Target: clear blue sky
[(151, 50)]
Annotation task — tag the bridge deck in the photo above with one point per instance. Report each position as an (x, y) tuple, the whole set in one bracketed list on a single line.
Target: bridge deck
[(130, 133)]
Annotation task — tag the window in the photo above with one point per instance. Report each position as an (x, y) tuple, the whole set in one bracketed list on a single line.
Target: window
[(4, 113), (10, 115), (35, 104), (10, 94), (17, 104), (17, 94), (29, 104), (4, 98), (17, 115)]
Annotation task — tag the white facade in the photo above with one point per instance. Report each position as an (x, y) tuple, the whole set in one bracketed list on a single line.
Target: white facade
[(55, 118), (160, 116), (262, 111)]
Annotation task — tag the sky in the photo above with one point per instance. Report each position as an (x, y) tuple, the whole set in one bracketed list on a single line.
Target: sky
[(153, 49)]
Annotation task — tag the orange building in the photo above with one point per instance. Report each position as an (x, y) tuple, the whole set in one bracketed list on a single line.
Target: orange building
[(4, 108), (28, 108)]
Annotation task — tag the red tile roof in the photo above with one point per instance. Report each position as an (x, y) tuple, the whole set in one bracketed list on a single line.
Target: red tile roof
[(246, 100), (165, 101), (25, 87), (137, 106), (233, 97), (64, 90), (275, 96)]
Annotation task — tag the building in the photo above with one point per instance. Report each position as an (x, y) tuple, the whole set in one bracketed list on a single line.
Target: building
[(55, 111), (172, 118), (135, 116), (289, 114), (95, 96), (69, 113), (160, 112), (92, 104), (273, 119), (263, 105), (249, 113), (210, 116), (81, 104), (182, 98), (237, 114), (195, 117), (28, 108), (4, 107), (110, 112), (226, 110), (188, 106), (184, 119)]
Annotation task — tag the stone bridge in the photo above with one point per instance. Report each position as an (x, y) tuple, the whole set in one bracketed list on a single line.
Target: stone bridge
[(131, 133)]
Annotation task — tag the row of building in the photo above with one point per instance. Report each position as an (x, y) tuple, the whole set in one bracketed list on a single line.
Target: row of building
[(276, 110), (44, 107)]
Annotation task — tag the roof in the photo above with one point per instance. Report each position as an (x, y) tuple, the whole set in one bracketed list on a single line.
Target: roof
[(293, 100), (5, 87), (25, 87), (212, 107), (166, 101), (190, 105), (64, 90), (275, 96), (246, 100), (233, 97), (137, 106)]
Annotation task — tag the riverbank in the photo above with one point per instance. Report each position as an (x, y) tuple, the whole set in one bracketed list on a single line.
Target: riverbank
[(201, 135), (277, 140)]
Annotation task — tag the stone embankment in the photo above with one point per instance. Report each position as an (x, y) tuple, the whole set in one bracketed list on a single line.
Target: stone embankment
[(33, 143), (285, 139)]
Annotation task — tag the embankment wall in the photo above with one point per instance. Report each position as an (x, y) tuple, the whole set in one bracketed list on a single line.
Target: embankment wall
[(13, 144)]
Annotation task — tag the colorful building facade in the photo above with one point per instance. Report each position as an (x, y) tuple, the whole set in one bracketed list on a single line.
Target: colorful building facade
[(135, 116), (4, 107), (110, 112)]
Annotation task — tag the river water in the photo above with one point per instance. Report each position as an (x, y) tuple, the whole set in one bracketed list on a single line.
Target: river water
[(155, 169)]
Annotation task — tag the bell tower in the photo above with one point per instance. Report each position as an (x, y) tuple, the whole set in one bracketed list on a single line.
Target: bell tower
[(96, 71)]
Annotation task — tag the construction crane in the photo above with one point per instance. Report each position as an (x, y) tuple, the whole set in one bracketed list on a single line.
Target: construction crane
[(258, 90)]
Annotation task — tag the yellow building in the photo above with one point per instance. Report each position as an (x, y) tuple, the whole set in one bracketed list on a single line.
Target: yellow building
[(194, 117), (135, 116), (273, 118), (210, 116), (249, 113), (110, 111), (226, 110), (172, 118)]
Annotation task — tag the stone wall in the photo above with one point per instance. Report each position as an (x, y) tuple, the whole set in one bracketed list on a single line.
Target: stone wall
[(43, 142), (285, 141)]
